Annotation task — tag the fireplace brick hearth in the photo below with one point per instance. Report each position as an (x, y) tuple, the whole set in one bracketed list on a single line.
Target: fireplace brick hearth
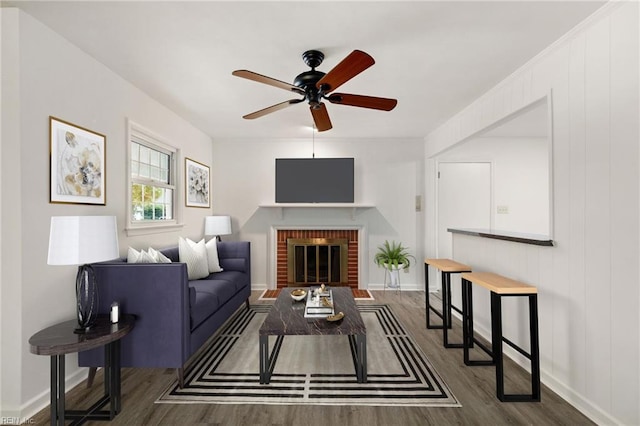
[(351, 235)]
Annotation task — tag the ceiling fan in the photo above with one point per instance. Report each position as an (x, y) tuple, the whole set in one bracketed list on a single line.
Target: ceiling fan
[(316, 86)]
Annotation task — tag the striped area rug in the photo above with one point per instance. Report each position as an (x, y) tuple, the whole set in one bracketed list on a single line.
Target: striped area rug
[(313, 369)]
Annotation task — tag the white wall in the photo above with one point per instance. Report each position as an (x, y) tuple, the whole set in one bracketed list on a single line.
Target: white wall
[(10, 241), (43, 75), (520, 179), (388, 176), (587, 282)]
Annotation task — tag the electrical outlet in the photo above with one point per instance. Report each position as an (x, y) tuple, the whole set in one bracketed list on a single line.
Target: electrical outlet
[(503, 209)]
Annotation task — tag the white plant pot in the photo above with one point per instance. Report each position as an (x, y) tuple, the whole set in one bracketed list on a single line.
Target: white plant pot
[(394, 274)]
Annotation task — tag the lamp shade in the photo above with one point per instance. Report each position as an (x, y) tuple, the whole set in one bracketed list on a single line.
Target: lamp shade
[(217, 225), (77, 240)]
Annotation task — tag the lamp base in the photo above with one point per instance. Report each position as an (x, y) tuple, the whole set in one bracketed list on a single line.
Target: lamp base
[(86, 299)]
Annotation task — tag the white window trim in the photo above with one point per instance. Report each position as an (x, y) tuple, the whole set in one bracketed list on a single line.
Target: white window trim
[(133, 228)]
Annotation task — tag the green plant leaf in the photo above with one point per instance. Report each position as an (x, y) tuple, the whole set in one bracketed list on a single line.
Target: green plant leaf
[(392, 255)]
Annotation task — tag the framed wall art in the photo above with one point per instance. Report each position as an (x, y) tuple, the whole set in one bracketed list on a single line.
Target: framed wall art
[(77, 164), (197, 184)]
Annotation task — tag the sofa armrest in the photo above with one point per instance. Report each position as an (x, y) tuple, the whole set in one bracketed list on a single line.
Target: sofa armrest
[(158, 294), (235, 256)]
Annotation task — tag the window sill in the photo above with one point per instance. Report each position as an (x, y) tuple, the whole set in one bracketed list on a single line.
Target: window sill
[(153, 228)]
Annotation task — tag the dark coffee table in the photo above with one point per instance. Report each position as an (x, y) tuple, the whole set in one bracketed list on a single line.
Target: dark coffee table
[(283, 320)]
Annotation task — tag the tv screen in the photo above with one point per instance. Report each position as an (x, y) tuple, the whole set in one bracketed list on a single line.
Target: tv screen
[(314, 180)]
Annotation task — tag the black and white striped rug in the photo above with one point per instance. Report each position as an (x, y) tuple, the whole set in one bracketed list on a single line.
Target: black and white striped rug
[(313, 369)]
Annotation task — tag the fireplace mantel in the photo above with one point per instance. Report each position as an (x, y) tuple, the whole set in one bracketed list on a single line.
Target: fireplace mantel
[(282, 207)]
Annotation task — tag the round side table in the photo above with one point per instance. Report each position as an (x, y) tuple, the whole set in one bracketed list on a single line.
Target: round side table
[(60, 339)]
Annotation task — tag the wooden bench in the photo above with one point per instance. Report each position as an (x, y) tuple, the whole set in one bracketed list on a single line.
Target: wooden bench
[(500, 287), (446, 267)]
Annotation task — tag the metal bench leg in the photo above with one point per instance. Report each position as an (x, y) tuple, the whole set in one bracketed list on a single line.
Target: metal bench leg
[(496, 342), (534, 356), (535, 347), (446, 310), (428, 307)]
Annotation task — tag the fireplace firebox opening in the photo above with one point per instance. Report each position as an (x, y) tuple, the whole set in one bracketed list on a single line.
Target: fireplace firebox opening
[(317, 260)]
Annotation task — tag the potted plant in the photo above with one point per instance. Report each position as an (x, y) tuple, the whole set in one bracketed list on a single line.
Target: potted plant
[(393, 257)]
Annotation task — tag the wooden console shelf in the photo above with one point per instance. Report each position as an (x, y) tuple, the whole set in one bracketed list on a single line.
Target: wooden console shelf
[(516, 237)]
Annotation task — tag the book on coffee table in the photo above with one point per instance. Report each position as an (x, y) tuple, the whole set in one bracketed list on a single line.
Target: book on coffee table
[(319, 307)]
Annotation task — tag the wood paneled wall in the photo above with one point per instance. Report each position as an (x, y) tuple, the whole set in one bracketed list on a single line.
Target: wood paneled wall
[(589, 282)]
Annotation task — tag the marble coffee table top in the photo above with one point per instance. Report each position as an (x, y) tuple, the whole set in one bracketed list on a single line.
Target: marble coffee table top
[(286, 316)]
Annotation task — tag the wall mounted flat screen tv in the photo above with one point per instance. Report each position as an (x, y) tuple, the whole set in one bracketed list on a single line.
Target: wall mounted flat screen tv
[(314, 180)]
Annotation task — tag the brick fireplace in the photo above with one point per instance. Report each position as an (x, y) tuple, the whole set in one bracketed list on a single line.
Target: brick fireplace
[(283, 263)]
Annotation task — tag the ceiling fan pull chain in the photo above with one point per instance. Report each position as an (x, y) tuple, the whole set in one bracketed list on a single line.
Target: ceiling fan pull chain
[(313, 140)]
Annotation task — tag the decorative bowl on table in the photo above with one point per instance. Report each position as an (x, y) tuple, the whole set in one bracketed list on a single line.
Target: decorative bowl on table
[(298, 294)]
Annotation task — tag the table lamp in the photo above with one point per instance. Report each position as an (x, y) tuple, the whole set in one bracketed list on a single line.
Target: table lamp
[(217, 225), (80, 240)]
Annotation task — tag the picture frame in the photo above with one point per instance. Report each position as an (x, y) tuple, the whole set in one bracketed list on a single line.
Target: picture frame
[(77, 164), (197, 184)]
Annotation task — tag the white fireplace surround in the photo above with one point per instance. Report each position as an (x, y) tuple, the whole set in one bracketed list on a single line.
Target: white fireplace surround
[(272, 255)]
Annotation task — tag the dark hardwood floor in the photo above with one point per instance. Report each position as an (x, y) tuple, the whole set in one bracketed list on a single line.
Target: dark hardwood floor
[(473, 386)]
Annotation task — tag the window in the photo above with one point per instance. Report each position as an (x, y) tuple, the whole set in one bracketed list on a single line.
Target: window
[(152, 174)]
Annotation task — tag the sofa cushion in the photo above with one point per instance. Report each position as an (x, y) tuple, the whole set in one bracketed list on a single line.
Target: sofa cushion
[(172, 253), (235, 278), (210, 294), (234, 264), (205, 305)]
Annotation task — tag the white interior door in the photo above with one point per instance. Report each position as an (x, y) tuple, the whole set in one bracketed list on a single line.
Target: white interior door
[(464, 200)]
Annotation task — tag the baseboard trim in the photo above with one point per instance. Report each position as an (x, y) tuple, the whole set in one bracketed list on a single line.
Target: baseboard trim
[(41, 401), (259, 286), (403, 287), (578, 401)]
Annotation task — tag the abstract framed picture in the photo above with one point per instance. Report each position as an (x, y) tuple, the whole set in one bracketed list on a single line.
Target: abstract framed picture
[(77, 160), (197, 184)]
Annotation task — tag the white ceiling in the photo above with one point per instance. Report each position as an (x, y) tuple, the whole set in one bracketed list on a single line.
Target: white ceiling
[(434, 57)]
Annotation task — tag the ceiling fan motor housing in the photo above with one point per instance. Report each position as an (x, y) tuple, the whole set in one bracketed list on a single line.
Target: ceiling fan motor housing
[(307, 81)]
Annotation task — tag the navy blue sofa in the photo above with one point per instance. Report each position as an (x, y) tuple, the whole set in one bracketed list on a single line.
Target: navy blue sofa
[(175, 316)]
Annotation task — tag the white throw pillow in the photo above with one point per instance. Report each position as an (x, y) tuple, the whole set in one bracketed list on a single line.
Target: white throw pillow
[(157, 256), (135, 256), (195, 256), (212, 256)]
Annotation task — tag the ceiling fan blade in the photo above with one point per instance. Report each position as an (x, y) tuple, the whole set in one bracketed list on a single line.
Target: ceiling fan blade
[(356, 62), (250, 75), (384, 104), (272, 108), (321, 117)]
